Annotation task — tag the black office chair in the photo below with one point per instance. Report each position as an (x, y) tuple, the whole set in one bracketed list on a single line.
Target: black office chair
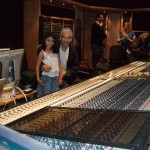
[(117, 56), (84, 71), (28, 76)]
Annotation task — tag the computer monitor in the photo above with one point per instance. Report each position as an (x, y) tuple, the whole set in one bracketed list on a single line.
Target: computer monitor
[(10, 64), (2, 83)]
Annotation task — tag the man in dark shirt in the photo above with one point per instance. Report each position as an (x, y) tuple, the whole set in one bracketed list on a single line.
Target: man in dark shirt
[(97, 40)]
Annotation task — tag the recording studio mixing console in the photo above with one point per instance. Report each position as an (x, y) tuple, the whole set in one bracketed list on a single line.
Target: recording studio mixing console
[(117, 102), (122, 129)]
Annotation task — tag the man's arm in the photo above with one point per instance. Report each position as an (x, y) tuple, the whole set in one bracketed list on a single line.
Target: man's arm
[(73, 63), (45, 67)]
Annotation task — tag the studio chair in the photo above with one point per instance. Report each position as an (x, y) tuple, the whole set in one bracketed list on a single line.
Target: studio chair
[(103, 66), (28, 76), (84, 63), (117, 56), (84, 71)]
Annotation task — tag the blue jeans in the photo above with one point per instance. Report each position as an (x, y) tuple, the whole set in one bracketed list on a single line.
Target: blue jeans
[(50, 85)]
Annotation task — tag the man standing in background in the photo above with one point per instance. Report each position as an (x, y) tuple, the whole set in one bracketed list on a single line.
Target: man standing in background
[(98, 37)]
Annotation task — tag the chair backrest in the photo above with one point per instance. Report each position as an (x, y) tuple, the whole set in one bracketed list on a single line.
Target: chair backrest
[(117, 53)]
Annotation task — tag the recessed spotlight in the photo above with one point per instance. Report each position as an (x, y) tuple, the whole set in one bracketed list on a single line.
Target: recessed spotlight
[(74, 6), (63, 4), (51, 1)]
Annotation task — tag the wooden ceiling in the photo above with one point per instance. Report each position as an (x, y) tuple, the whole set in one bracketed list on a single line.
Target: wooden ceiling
[(116, 3), (108, 5)]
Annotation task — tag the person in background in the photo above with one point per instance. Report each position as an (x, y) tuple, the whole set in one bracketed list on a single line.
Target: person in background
[(140, 48), (98, 37), (68, 58), (126, 37), (49, 80)]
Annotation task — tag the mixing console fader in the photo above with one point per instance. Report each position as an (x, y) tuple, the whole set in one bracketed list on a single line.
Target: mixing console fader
[(108, 112), (107, 127), (127, 95)]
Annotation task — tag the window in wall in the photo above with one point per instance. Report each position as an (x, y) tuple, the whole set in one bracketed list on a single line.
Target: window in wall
[(126, 17), (141, 21), (57, 25), (53, 24)]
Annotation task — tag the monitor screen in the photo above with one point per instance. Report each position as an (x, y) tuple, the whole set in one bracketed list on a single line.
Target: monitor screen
[(10, 64)]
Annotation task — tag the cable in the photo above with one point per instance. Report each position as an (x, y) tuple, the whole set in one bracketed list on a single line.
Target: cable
[(7, 102), (21, 92)]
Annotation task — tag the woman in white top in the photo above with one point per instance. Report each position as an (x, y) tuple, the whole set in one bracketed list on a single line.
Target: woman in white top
[(49, 81)]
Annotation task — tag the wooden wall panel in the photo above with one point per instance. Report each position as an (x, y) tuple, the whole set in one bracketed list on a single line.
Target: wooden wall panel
[(113, 30), (31, 31)]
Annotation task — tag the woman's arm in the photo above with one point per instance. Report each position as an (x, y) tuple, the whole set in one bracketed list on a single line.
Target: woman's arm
[(130, 39), (38, 68), (121, 37)]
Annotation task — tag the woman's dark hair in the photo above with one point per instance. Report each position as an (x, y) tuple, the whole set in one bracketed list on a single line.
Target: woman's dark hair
[(47, 35)]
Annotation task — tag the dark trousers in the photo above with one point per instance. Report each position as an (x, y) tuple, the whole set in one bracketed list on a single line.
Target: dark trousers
[(97, 54), (129, 56), (70, 80)]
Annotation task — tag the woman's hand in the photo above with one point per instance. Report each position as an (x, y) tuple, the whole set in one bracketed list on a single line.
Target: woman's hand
[(41, 82), (126, 36), (64, 72)]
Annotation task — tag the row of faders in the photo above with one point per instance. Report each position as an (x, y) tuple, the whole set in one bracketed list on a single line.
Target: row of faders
[(104, 127), (69, 95), (129, 94)]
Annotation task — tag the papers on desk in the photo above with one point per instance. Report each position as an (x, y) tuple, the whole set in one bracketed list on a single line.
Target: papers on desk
[(7, 95), (28, 90)]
